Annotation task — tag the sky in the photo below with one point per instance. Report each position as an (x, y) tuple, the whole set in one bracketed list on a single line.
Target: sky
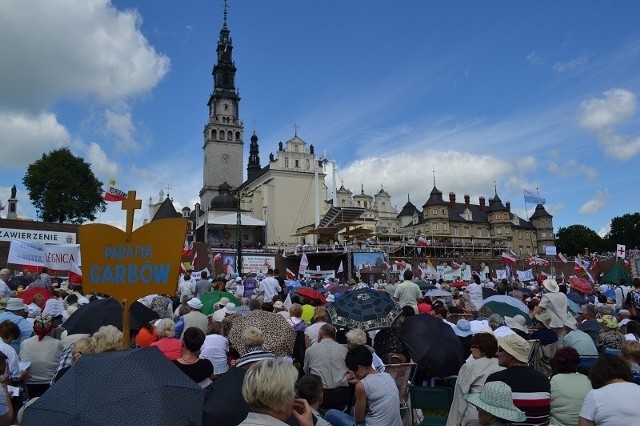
[(478, 95)]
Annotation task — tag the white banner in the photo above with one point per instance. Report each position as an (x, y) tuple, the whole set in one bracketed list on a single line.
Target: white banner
[(54, 256), (26, 253), (257, 264), (304, 262), (37, 236), (501, 274), (525, 275), (198, 275)]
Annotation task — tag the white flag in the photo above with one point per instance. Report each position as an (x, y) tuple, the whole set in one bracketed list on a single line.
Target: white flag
[(304, 262), (340, 268), (620, 251)]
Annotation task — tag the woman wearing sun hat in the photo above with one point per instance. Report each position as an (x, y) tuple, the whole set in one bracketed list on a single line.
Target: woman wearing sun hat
[(609, 337), (495, 405)]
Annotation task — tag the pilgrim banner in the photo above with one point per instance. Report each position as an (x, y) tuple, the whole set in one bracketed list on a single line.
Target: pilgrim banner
[(58, 257), (25, 253)]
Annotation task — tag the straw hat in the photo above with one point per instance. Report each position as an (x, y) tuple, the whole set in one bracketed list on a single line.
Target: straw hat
[(551, 285), (544, 318), (518, 322), (223, 302), (515, 346), (496, 399)]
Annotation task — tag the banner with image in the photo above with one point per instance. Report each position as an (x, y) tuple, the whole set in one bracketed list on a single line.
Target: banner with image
[(58, 257)]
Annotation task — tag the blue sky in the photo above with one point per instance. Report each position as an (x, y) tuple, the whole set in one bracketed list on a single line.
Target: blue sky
[(526, 94)]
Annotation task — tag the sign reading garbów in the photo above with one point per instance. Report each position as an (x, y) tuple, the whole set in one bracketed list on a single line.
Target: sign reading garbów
[(132, 264)]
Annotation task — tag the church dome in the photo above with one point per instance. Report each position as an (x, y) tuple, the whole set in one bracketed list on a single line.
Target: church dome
[(224, 201)]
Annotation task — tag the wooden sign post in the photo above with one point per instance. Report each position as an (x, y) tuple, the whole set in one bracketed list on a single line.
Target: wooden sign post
[(128, 265)]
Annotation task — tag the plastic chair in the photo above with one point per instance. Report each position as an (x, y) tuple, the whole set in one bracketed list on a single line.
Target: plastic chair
[(431, 398)]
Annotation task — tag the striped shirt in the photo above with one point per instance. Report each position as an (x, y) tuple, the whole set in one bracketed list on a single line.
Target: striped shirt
[(531, 393)]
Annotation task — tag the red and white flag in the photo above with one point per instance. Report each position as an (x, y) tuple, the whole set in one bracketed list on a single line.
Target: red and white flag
[(195, 257), (621, 251), (75, 274), (113, 193), (400, 264), (187, 249), (423, 242), (562, 257), (290, 274), (455, 265), (508, 258), (217, 258), (385, 265), (577, 264)]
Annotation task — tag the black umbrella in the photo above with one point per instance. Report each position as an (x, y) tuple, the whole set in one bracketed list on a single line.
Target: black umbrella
[(432, 344), (424, 285), (223, 402), (139, 315), (87, 319), (134, 387), (365, 309), (488, 292)]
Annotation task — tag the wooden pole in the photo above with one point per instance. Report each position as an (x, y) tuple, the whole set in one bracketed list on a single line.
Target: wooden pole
[(126, 326)]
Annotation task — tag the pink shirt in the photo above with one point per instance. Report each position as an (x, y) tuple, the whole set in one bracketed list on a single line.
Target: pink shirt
[(170, 347)]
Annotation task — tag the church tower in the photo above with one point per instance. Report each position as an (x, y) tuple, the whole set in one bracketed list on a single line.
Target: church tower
[(253, 166), (223, 133)]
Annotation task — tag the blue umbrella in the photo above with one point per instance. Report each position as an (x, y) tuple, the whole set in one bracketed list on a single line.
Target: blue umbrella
[(365, 309), (134, 387)]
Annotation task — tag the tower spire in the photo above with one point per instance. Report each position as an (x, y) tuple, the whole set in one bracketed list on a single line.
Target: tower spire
[(224, 23)]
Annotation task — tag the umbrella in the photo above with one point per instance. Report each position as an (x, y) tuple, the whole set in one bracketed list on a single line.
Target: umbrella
[(310, 293), (279, 336), (423, 284), (140, 315), (211, 298), (459, 284), (365, 309), (488, 292), (87, 319), (581, 285), (509, 301), (438, 293), (573, 306), (112, 387), (28, 295), (506, 310), (432, 344)]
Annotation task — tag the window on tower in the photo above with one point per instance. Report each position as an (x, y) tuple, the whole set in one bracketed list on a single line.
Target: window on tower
[(229, 135), (214, 134), (237, 136), (297, 164)]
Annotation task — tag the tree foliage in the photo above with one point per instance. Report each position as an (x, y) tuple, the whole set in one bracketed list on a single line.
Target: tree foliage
[(625, 230), (573, 239), (63, 188)]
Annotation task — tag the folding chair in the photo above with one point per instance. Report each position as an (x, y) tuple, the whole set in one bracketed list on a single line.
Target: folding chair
[(431, 398), (403, 375)]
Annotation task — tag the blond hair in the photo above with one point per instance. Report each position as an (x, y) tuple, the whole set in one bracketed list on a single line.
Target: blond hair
[(165, 328), (252, 336), (270, 385), (107, 338), (82, 347)]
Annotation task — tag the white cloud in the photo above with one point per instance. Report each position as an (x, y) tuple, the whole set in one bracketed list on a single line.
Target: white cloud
[(571, 168), (97, 52), (600, 115), (26, 137), (459, 172), (595, 204), (120, 125), (533, 58), (526, 164), (101, 166), (615, 107), (571, 64)]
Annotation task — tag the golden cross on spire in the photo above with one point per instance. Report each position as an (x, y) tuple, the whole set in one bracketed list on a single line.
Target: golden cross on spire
[(130, 204)]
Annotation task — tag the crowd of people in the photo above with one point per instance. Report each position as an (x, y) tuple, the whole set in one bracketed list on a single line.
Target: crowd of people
[(547, 365)]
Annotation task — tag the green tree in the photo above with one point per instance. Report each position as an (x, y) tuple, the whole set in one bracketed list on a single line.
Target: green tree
[(63, 188), (625, 230), (573, 239)]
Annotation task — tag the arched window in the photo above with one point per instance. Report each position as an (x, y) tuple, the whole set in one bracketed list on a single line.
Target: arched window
[(214, 134), (237, 136), (229, 135), (308, 164)]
